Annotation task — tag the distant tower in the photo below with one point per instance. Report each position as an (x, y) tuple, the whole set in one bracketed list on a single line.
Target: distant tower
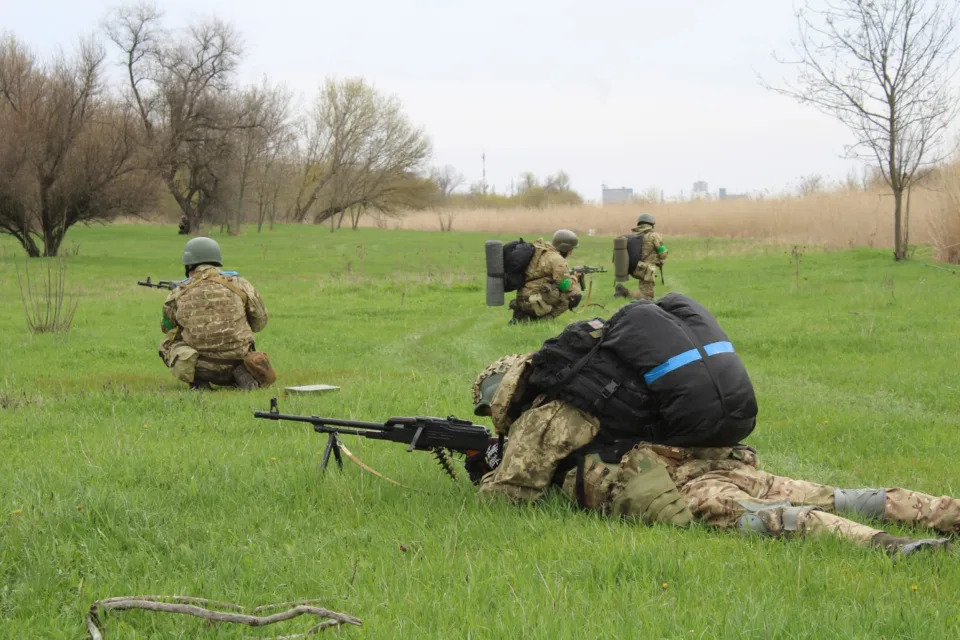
[(483, 179)]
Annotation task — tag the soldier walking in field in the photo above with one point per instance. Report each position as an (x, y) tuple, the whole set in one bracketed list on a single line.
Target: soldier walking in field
[(647, 254), (549, 288), (650, 468), (210, 319)]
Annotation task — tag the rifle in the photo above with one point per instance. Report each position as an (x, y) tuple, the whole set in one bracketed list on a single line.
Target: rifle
[(579, 269), (160, 284), (441, 436)]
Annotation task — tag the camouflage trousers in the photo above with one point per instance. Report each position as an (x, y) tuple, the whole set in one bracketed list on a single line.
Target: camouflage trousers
[(190, 367), (720, 485), (722, 497), (647, 291), (539, 299)]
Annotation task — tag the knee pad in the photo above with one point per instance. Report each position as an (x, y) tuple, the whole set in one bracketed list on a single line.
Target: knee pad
[(751, 523), (771, 519), (870, 503)]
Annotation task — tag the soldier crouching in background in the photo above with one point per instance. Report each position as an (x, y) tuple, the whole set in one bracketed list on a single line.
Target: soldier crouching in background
[(549, 288), (210, 319), (647, 253)]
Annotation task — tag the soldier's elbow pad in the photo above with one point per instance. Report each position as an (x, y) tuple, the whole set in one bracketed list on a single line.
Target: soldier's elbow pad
[(575, 300)]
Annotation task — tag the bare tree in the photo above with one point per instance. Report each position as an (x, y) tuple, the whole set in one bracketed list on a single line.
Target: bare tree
[(180, 86), (884, 69), (811, 184), (355, 150), (263, 114), (446, 180), (68, 154)]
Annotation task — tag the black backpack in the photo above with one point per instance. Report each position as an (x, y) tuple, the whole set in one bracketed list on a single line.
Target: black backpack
[(573, 367), (635, 250), (517, 254), (662, 372)]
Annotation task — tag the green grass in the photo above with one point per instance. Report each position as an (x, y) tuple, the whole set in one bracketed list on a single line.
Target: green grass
[(130, 484)]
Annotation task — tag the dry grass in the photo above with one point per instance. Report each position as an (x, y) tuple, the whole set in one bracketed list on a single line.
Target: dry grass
[(945, 225), (834, 219)]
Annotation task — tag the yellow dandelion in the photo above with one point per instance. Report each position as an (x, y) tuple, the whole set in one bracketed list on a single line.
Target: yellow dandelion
[(17, 512), (273, 459), (79, 507), (914, 588), (664, 585)]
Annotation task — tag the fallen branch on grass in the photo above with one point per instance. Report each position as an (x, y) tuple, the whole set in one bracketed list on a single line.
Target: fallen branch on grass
[(191, 606)]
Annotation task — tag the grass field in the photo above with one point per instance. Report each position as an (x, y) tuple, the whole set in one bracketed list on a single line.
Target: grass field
[(116, 480)]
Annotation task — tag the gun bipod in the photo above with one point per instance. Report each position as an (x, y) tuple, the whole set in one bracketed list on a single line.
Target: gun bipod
[(333, 444)]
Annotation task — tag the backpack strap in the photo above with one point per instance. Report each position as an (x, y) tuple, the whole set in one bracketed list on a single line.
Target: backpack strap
[(219, 279)]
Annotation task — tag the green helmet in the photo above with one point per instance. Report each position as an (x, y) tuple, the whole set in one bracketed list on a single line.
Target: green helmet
[(565, 240), (488, 389), (646, 218), (487, 383), (202, 251)]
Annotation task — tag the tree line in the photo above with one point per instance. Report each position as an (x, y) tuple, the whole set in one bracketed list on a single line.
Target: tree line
[(75, 148)]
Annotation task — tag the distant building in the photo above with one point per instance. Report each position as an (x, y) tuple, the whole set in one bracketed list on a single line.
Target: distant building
[(700, 190), (723, 195), (616, 196)]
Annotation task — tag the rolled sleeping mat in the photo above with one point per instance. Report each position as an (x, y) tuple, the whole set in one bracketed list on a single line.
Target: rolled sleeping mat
[(494, 250), (621, 259)]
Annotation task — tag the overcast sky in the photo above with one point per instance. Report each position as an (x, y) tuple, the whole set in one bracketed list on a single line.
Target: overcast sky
[(627, 93)]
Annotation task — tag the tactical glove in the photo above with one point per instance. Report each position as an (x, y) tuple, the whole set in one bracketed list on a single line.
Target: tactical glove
[(480, 463)]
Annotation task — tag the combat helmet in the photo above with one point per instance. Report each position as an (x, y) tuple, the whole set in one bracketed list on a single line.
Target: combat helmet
[(487, 383), (646, 218), (202, 250), (565, 240)]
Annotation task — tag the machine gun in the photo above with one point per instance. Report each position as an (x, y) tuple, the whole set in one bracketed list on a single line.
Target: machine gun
[(441, 436), (159, 284)]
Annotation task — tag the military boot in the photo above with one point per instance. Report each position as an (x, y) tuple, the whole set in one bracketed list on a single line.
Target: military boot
[(621, 291), (243, 378), (897, 545)]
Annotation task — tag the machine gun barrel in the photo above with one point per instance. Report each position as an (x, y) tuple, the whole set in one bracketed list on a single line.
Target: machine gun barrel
[(424, 433)]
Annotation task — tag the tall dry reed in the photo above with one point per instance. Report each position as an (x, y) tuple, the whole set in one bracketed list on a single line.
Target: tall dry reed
[(945, 224), (832, 219)]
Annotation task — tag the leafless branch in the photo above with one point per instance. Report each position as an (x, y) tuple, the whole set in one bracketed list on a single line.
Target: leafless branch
[(199, 607), (884, 69)]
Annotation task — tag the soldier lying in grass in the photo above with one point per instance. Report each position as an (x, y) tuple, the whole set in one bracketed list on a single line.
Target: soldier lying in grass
[(659, 475)]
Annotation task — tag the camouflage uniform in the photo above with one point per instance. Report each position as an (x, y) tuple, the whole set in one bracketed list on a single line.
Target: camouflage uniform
[(540, 296), (216, 315), (653, 254), (656, 483)]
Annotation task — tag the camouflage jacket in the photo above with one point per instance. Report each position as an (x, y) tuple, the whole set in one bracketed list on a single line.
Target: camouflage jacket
[(654, 251), (215, 313), (547, 263)]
